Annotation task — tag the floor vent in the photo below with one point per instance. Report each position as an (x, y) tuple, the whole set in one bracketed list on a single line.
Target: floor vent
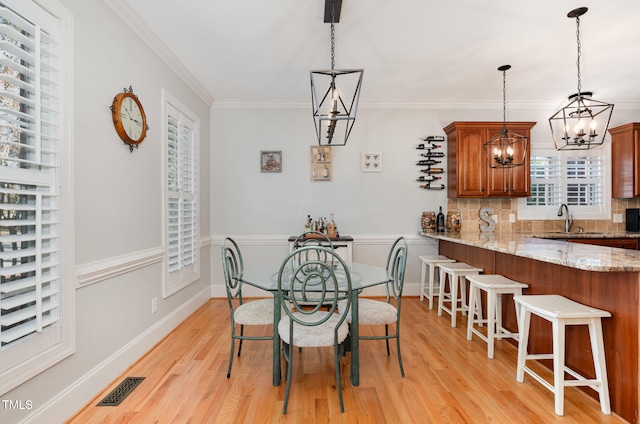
[(123, 390)]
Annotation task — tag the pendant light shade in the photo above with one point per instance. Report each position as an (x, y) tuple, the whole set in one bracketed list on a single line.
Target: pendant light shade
[(335, 94), (507, 149), (582, 124)]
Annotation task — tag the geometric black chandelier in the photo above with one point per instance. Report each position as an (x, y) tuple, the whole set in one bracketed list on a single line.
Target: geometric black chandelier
[(506, 149), (582, 124), (334, 112)]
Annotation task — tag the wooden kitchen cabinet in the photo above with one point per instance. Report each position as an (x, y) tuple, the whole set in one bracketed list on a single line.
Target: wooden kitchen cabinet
[(469, 172), (625, 159)]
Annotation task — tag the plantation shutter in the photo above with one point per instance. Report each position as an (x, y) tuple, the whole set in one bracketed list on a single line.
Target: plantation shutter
[(30, 215), (546, 181), (584, 181), (182, 246), (576, 178)]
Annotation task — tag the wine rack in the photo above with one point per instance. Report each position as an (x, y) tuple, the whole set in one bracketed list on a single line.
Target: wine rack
[(431, 163)]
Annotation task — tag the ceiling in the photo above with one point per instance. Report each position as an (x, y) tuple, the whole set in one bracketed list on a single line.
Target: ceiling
[(412, 51)]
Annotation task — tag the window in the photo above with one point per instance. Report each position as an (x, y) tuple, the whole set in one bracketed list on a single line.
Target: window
[(181, 237), (35, 291), (577, 178)]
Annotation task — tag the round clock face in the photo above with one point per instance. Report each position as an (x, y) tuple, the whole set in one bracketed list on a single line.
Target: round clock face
[(129, 118)]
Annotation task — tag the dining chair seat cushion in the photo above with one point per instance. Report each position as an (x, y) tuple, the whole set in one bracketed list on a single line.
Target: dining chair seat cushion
[(319, 335), (373, 312), (255, 312)]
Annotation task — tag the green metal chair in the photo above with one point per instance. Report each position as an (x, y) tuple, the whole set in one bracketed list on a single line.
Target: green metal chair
[(377, 312), (311, 287), (255, 312), (312, 239)]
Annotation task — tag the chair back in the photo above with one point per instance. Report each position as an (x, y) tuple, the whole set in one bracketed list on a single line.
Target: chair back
[(312, 239), (311, 285), (396, 265), (232, 267)]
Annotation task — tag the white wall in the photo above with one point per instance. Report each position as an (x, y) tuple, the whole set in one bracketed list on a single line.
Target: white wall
[(264, 209), (118, 202)]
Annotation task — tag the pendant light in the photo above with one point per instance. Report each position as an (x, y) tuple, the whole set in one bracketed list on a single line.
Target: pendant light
[(582, 124), (334, 113), (506, 149)]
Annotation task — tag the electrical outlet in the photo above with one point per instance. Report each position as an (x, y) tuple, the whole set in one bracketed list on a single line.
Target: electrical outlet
[(154, 305), (617, 218), (494, 217), (512, 218)]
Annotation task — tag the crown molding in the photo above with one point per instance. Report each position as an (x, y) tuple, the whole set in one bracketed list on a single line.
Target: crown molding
[(124, 10)]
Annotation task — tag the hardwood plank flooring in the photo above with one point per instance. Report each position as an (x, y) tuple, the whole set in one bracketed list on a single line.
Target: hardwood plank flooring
[(448, 380)]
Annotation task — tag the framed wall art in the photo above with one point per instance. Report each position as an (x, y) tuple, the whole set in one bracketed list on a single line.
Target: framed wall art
[(371, 162), (321, 163), (271, 161)]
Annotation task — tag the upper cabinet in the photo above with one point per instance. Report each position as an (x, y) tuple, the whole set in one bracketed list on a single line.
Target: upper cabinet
[(469, 171), (625, 158)]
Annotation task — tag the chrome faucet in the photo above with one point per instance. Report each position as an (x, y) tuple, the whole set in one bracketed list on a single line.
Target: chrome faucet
[(568, 220)]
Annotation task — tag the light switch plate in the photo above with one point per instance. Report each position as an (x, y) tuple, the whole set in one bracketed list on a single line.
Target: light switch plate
[(617, 218)]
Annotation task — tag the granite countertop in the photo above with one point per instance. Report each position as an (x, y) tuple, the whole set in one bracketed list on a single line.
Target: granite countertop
[(582, 256), (587, 234)]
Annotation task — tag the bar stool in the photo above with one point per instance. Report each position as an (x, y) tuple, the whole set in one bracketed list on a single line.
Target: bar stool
[(562, 312), (456, 272), (431, 261), (495, 286)]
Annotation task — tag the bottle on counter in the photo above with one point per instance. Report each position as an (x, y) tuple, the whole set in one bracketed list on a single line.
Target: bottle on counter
[(440, 221)]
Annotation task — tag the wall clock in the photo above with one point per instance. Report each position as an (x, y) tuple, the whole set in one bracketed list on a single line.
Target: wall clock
[(129, 118)]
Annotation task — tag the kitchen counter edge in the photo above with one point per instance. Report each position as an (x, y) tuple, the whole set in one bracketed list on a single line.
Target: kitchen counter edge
[(581, 256)]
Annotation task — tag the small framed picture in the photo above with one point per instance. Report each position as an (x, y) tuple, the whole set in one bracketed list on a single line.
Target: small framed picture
[(271, 161), (371, 162)]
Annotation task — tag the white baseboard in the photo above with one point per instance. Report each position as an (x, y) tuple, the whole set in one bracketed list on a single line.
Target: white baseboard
[(61, 407)]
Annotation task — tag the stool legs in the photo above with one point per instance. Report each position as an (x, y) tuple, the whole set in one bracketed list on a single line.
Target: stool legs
[(422, 280), (600, 383), (597, 347), (453, 297), (428, 273), (558, 329)]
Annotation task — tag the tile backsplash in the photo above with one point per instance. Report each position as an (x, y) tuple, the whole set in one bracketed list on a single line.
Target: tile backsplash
[(504, 207)]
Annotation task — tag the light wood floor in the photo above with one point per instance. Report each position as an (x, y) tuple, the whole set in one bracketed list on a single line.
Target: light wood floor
[(448, 380)]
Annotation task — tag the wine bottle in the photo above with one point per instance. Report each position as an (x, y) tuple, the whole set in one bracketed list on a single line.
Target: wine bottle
[(433, 138), (432, 187), (428, 146), (432, 171), (440, 221), (422, 178), (433, 155), (428, 162)]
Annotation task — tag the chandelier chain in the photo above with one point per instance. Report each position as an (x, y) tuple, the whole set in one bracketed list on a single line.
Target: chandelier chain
[(579, 53), (504, 100), (333, 36)]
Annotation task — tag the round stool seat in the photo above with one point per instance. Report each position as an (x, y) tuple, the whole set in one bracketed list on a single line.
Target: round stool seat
[(431, 262)]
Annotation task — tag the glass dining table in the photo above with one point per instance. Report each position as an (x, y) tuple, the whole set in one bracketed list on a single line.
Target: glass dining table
[(265, 277)]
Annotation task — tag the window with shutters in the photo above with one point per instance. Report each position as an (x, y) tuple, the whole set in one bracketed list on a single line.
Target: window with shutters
[(181, 236), (577, 178), (35, 294)]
